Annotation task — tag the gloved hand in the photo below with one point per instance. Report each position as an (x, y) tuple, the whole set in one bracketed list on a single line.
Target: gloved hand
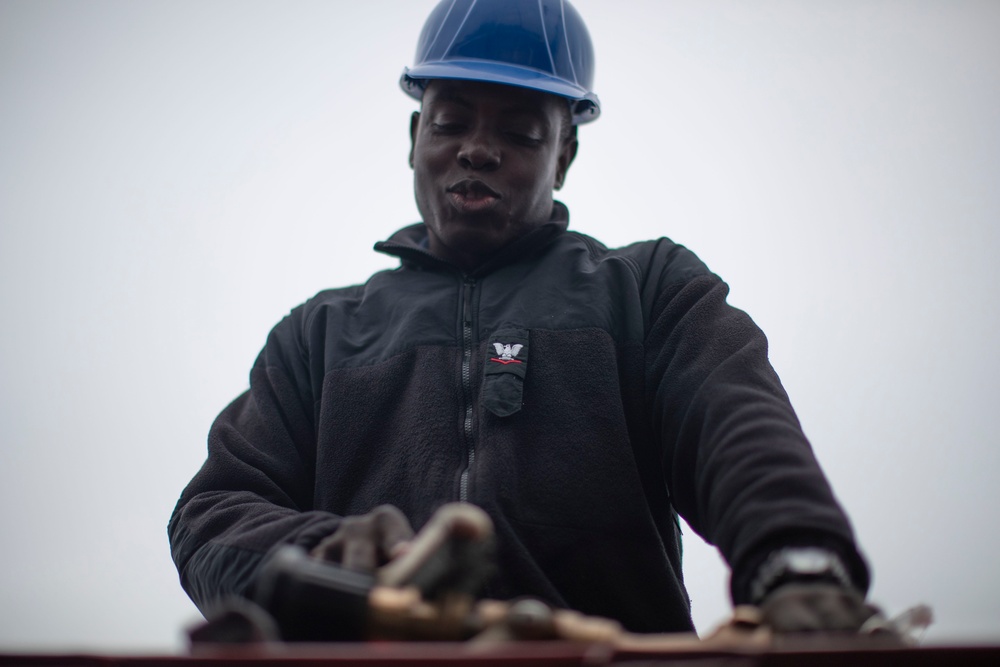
[(815, 607), (367, 541)]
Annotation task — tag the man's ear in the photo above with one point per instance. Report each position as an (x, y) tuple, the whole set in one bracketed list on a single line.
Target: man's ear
[(566, 157), (414, 123)]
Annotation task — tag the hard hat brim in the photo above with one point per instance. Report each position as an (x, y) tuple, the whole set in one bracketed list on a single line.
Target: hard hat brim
[(586, 106)]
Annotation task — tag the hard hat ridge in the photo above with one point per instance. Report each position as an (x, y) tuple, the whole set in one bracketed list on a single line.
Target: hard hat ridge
[(538, 44)]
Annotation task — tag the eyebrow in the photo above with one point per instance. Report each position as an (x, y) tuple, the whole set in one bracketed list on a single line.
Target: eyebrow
[(453, 96), (450, 94)]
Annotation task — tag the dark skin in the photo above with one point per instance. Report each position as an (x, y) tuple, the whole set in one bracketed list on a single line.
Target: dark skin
[(364, 542), (486, 159), (815, 607)]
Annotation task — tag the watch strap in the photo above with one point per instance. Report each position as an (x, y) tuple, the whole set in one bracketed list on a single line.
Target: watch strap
[(798, 564)]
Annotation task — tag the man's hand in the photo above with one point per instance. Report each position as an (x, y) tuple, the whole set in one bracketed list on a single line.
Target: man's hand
[(365, 542), (815, 607)]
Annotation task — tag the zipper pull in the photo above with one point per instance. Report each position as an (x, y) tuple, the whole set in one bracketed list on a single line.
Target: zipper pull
[(470, 284)]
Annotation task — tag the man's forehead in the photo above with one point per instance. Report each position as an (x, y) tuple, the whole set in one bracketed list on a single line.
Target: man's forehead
[(473, 93)]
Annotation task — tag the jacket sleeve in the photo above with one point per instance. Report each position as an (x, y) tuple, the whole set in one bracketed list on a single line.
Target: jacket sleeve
[(255, 489), (734, 456)]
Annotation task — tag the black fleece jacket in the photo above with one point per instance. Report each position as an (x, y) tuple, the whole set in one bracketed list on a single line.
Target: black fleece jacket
[(636, 392)]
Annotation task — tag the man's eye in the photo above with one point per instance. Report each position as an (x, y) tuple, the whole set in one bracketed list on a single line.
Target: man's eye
[(524, 138), (447, 128)]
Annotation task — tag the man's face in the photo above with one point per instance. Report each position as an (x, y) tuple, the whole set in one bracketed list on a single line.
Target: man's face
[(486, 158)]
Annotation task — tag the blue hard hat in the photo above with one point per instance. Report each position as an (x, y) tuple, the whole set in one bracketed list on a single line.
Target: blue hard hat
[(538, 44)]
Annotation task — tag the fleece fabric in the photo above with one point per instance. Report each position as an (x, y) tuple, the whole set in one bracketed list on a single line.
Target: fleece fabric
[(581, 395)]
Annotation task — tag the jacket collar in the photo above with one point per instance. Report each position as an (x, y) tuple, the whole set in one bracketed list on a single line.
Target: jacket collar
[(410, 244)]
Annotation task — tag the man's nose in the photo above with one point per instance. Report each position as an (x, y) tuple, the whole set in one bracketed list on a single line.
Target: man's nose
[(479, 151)]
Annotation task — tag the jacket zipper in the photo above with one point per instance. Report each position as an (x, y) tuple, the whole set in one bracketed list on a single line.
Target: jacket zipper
[(470, 446)]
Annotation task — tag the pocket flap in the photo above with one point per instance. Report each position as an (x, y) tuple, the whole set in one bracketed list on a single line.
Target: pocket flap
[(505, 367)]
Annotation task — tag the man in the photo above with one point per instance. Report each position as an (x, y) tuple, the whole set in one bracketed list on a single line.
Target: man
[(582, 396)]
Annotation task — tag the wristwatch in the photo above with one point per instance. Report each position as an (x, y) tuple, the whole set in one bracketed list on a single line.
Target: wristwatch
[(798, 564)]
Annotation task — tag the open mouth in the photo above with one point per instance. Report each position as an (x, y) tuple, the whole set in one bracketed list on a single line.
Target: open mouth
[(471, 196)]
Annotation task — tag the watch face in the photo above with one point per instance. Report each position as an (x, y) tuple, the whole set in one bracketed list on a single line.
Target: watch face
[(808, 561)]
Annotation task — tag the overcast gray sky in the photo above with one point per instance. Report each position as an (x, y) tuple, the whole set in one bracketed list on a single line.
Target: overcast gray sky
[(175, 176)]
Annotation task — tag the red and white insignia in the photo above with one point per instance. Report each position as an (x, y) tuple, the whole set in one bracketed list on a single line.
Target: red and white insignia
[(506, 353)]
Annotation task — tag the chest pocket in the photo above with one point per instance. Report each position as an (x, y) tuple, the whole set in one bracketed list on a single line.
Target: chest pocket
[(504, 371)]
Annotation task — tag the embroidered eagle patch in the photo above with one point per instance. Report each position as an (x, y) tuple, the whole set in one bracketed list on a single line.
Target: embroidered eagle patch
[(506, 353)]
